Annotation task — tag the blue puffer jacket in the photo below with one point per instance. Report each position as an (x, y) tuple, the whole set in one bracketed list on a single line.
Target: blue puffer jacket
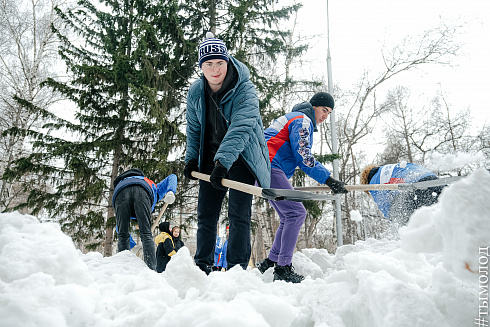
[(223, 263), (157, 192), (395, 174), (289, 139), (218, 248), (245, 131)]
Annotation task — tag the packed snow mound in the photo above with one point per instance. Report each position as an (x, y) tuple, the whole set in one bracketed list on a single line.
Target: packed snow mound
[(28, 247), (426, 279), (457, 227)]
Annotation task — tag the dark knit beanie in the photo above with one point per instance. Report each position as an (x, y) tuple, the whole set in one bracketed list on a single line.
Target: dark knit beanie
[(322, 99), (212, 48)]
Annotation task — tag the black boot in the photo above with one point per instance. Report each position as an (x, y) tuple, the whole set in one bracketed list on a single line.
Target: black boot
[(204, 267), (265, 264), (287, 274)]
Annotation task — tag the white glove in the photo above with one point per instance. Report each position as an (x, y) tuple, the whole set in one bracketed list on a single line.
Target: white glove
[(169, 197)]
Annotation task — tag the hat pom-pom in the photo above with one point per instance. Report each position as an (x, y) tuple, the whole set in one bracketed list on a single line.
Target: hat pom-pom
[(209, 35)]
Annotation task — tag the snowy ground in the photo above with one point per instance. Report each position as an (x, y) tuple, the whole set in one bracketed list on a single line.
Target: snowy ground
[(430, 277)]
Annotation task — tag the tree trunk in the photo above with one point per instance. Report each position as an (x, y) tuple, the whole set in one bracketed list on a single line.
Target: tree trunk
[(109, 233), (212, 16)]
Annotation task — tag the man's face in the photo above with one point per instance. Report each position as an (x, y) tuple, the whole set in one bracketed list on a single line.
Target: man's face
[(321, 113), (215, 72)]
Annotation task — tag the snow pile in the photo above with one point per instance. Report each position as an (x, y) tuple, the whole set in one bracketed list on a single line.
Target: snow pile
[(421, 280), (457, 227)]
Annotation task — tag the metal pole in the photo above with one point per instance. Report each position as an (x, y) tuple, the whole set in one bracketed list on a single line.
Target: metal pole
[(335, 143)]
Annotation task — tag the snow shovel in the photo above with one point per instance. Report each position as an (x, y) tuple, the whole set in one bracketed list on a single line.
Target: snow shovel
[(155, 223), (383, 187), (269, 193)]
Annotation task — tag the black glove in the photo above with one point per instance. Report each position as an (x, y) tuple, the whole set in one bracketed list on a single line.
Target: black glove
[(219, 172), (336, 186), (191, 166)]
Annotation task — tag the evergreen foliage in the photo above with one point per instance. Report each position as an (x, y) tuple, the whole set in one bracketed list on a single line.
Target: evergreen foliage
[(129, 63)]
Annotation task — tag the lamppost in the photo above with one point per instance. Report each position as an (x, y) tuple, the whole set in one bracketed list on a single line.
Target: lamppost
[(335, 143)]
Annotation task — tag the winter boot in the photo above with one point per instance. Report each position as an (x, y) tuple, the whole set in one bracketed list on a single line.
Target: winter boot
[(204, 267), (265, 264), (287, 274)]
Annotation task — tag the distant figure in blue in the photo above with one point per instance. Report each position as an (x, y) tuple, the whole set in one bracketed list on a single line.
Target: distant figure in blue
[(220, 252), (136, 196), (218, 248), (398, 206), (222, 263)]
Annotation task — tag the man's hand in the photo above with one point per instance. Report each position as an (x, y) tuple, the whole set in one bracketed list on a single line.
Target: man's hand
[(336, 186), (219, 172), (190, 166)]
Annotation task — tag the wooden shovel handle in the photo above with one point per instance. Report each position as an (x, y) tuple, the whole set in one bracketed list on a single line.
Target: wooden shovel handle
[(155, 223), (246, 188)]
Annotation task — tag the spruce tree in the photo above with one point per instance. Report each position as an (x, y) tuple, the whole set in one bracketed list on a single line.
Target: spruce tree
[(129, 62)]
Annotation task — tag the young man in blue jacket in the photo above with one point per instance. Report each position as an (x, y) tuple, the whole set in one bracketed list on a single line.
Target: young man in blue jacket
[(225, 138), (289, 139), (136, 196), (218, 250), (398, 206), (221, 263)]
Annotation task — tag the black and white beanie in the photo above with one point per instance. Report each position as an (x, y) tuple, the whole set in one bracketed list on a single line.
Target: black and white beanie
[(212, 48)]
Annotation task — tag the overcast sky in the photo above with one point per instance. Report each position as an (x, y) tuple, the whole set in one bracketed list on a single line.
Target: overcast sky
[(360, 29)]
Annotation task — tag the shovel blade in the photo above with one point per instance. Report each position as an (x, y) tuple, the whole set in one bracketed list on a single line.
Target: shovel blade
[(293, 195)]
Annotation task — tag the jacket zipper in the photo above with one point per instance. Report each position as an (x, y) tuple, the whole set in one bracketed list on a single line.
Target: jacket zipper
[(216, 116)]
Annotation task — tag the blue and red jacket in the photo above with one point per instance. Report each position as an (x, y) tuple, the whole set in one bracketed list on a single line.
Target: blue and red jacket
[(222, 263), (156, 191), (217, 250), (135, 176), (395, 174), (289, 139)]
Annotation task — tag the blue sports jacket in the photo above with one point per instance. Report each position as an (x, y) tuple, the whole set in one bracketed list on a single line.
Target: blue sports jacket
[(157, 192), (245, 131), (217, 250), (289, 139), (222, 263), (395, 174)]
